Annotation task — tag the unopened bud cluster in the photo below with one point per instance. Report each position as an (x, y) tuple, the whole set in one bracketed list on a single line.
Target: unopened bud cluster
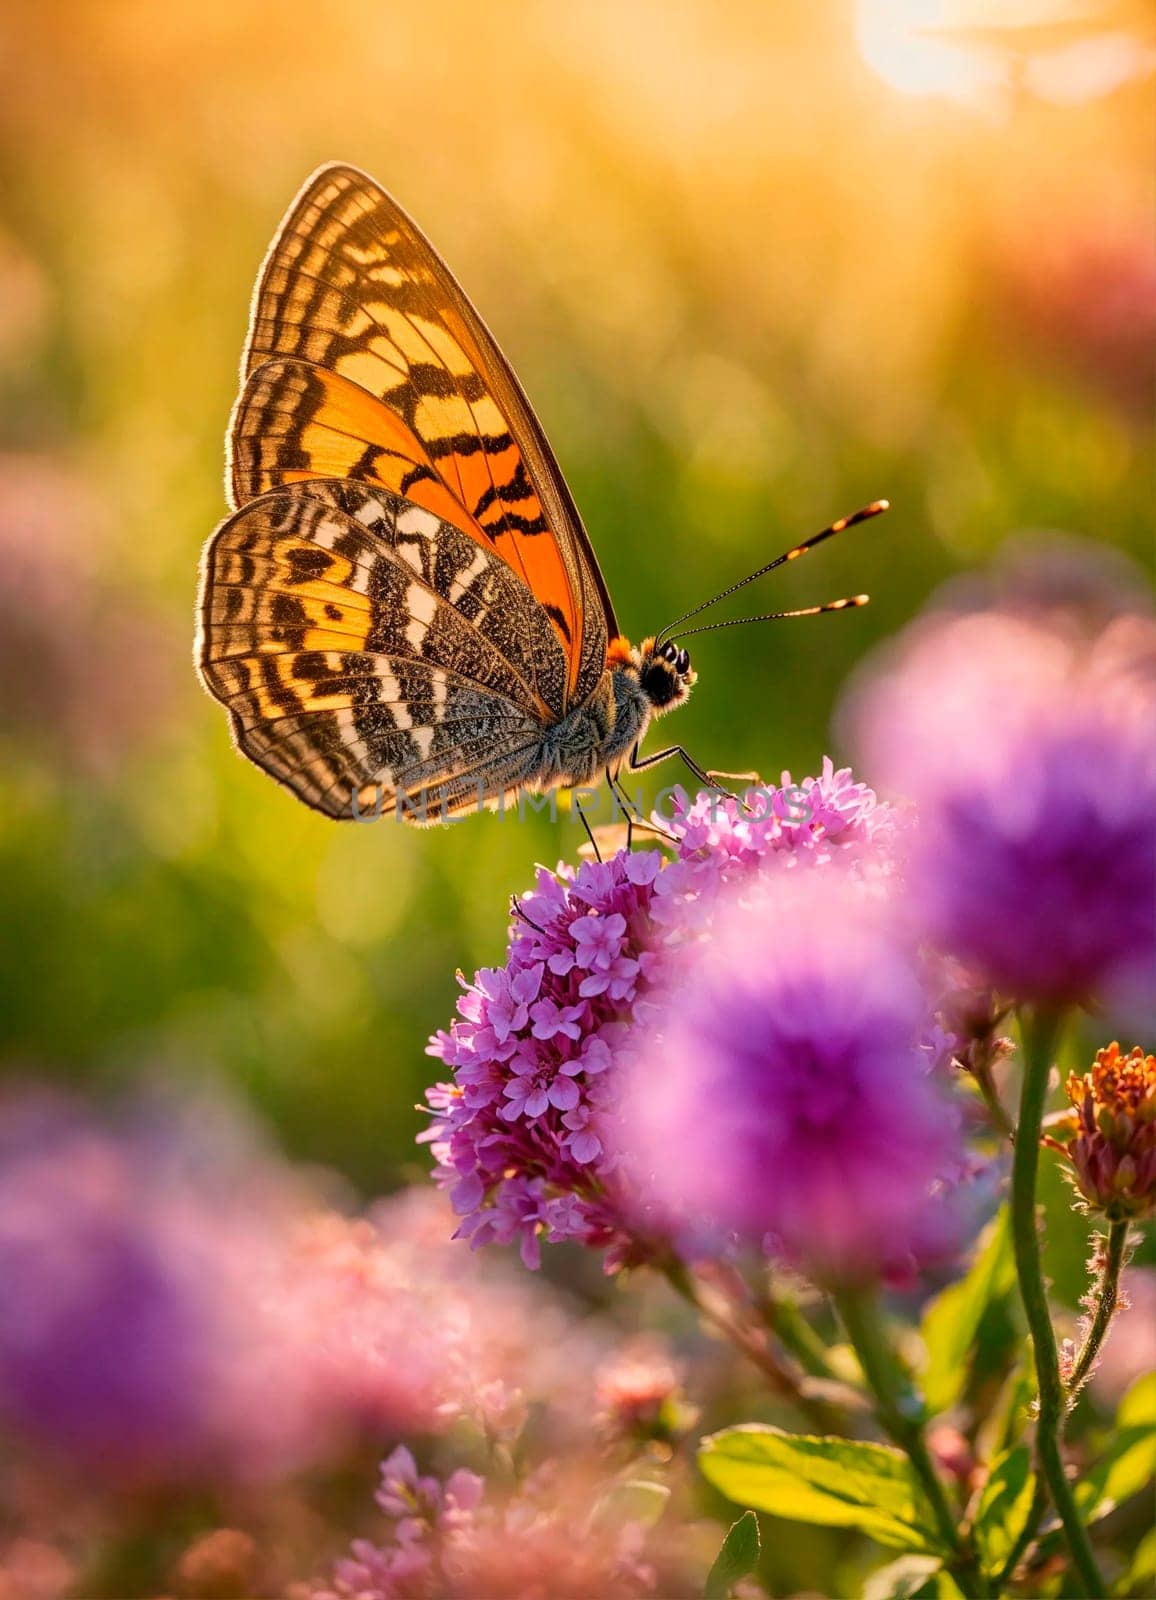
[(1109, 1135)]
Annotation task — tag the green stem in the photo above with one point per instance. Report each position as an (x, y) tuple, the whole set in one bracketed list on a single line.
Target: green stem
[(1040, 1031), (781, 1374), (779, 1314), (783, 1317), (985, 1082), (901, 1415), (1106, 1295)]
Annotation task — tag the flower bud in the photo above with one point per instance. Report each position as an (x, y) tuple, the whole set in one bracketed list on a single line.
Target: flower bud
[(1109, 1135)]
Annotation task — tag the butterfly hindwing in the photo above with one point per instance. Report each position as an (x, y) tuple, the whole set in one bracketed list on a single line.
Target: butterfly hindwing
[(366, 360), (366, 649)]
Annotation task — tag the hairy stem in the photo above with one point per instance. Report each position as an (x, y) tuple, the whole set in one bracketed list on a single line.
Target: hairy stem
[(1104, 1298), (901, 1415), (784, 1318), (1040, 1031)]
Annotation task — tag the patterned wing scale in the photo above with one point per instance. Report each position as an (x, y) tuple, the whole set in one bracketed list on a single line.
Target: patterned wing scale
[(365, 360), (296, 421), (367, 650)]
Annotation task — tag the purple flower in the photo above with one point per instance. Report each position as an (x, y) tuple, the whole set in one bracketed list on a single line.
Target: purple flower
[(597, 941), (786, 1094), (551, 1021), (1029, 752), (524, 1134), (140, 1333), (177, 1310), (551, 1534)]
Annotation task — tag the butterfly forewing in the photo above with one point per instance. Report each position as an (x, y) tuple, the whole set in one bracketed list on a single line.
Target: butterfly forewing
[(296, 421), (365, 360)]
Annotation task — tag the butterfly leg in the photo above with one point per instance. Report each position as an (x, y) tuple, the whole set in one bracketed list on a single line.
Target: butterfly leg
[(517, 910), (621, 801), (639, 763), (633, 819), (736, 777), (589, 834)]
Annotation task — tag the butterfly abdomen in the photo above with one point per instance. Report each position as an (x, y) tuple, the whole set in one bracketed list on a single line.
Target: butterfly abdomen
[(595, 735)]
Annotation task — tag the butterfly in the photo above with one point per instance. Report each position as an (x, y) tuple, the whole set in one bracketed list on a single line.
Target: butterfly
[(403, 612)]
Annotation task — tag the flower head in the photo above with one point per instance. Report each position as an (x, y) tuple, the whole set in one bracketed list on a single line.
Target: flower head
[(460, 1540), (1109, 1135), (639, 1397), (177, 1311), (1028, 751), (524, 1134), (786, 1093), (136, 1334)]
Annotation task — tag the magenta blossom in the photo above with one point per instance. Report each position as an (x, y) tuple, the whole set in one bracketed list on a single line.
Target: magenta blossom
[(1029, 752), (524, 1134), (141, 1332), (787, 1095), (178, 1311)]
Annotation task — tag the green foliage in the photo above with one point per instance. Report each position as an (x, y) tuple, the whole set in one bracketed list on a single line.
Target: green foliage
[(1124, 1468), (1004, 1422), (836, 1482), (1003, 1507), (1138, 1407), (1128, 1464), (952, 1319), (738, 1556), (910, 1578), (1140, 1578)]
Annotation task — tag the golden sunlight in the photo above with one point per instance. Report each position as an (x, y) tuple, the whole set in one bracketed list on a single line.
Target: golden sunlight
[(981, 51)]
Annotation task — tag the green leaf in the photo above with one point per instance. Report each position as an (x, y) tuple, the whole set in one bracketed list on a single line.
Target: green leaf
[(1003, 1507), (1138, 1407), (839, 1483), (904, 1579), (738, 1556), (952, 1320), (1141, 1578), (1126, 1466), (1004, 1423)]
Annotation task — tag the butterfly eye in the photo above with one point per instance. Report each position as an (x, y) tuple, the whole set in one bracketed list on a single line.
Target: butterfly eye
[(669, 651), (682, 663)]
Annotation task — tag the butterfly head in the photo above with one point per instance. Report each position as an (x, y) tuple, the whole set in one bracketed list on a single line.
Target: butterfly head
[(664, 672)]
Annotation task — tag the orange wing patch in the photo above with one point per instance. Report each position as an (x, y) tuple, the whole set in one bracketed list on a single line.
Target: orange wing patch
[(365, 360), (295, 421)]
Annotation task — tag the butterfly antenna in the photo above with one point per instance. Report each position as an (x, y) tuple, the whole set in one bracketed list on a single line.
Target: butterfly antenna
[(778, 616), (873, 510)]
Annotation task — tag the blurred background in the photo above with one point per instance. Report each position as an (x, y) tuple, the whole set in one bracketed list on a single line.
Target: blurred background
[(755, 265)]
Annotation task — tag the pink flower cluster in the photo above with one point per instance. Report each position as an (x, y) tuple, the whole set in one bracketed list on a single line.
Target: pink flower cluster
[(143, 1332), (524, 1134), (548, 1537), (180, 1310)]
